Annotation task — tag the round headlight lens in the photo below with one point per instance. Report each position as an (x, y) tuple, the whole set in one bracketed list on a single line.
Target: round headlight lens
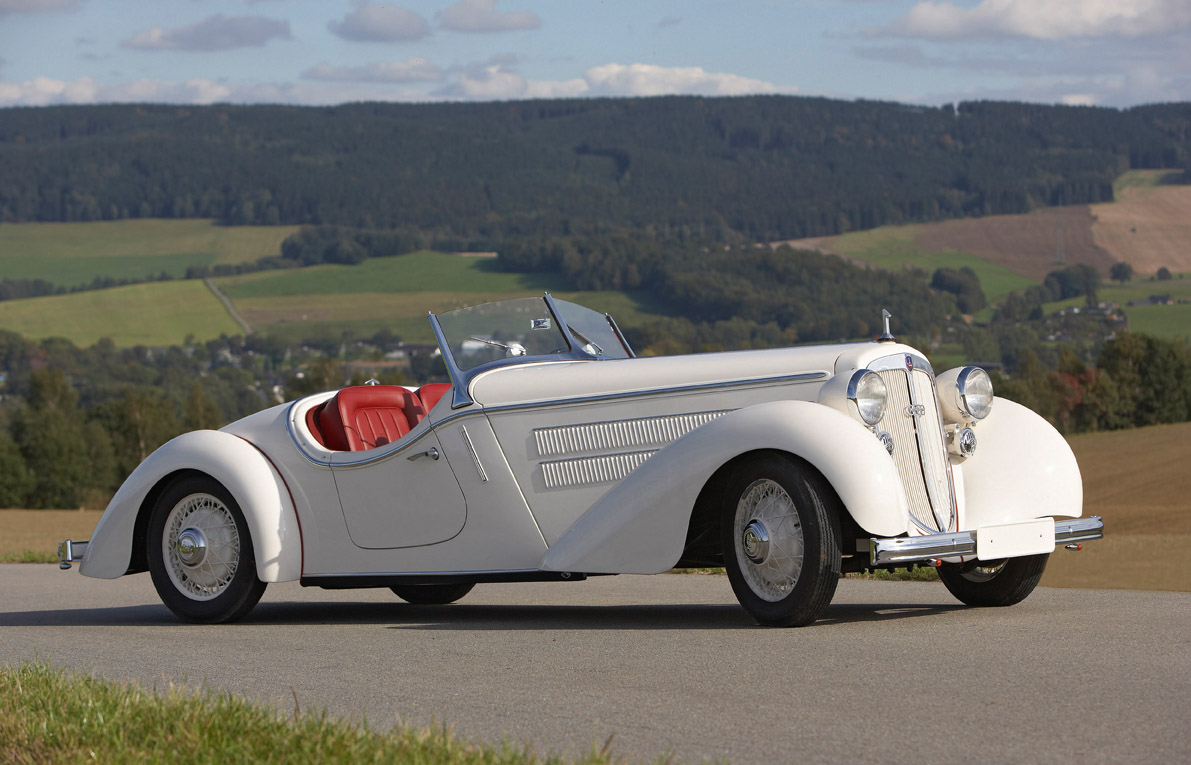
[(975, 392), (867, 390)]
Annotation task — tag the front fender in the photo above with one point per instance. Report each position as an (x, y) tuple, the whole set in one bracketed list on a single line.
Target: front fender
[(1023, 468), (639, 527), (243, 471)]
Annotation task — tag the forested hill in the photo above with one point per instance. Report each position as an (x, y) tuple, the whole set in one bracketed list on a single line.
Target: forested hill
[(764, 167)]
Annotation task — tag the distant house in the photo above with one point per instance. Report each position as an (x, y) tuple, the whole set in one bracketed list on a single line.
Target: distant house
[(1154, 300)]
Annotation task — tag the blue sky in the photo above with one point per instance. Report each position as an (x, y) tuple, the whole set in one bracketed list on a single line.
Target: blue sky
[(1103, 52)]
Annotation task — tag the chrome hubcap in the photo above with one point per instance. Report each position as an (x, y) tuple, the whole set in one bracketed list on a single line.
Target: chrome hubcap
[(201, 546), (192, 547), (769, 540), (756, 542)]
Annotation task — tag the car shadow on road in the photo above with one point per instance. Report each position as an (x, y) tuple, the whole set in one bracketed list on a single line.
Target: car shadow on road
[(478, 617), (639, 617)]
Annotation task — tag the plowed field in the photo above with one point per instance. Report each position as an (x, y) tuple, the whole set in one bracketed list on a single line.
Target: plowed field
[(1032, 245), (1148, 226)]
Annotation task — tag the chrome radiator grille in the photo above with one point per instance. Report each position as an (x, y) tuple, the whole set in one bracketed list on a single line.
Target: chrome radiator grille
[(919, 451)]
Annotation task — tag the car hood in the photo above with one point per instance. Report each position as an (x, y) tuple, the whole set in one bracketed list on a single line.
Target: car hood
[(551, 381)]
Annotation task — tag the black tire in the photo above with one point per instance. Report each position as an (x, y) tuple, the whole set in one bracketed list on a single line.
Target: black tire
[(211, 583), (772, 503), (994, 583), (432, 594)]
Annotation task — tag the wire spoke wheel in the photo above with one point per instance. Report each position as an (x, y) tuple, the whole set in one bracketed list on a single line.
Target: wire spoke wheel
[(200, 553), (201, 546), (769, 539), (780, 539)]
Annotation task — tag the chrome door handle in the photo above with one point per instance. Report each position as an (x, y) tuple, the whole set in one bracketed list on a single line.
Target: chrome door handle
[(432, 453)]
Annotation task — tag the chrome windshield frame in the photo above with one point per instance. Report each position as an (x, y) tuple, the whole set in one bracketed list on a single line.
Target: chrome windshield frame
[(461, 378)]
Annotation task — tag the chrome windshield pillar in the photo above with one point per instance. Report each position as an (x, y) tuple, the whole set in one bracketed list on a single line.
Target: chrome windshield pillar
[(459, 394)]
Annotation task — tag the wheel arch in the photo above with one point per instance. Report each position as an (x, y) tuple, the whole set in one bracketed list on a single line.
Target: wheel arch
[(139, 559), (705, 515), (119, 544)]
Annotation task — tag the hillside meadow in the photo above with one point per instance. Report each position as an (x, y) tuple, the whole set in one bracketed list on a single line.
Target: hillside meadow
[(70, 254), (1135, 479), (395, 293), (154, 313)]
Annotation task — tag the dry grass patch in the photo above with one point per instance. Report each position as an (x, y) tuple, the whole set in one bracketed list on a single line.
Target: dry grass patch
[(1148, 228), (1138, 481), (39, 531)]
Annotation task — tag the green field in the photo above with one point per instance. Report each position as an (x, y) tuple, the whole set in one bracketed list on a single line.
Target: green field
[(396, 293), (157, 313), (893, 248), (68, 254), (416, 272), (1168, 321), (1147, 179), (382, 293)]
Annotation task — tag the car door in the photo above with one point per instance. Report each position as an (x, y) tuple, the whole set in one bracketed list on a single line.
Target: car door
[(400, 495)]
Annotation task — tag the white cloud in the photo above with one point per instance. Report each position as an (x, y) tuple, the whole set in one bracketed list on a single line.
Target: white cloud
[(36, 6), (482, 16), (495, 79), (213, 33), (380, 22), (410, 70), (45, 91), (1042, 19), (650, 80)]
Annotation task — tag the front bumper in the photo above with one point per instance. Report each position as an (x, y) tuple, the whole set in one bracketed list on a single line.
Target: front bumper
[(70, 551), (903, 550)]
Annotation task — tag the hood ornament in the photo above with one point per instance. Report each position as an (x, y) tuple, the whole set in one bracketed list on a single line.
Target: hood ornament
[(886, 336)]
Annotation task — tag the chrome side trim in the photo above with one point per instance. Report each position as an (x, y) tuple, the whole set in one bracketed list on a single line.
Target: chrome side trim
[(722, 384), (619, 434), (589, 471), (902, 550), (471, 449), (70, 551)]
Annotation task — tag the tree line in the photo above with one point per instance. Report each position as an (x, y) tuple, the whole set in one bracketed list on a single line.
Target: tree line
[(762, 167)]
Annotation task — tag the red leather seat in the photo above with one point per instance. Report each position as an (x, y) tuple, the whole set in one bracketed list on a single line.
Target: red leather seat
[(430, 393), (367, 416)]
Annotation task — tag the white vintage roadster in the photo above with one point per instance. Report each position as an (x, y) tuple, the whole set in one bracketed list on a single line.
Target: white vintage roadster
[(556, 455)]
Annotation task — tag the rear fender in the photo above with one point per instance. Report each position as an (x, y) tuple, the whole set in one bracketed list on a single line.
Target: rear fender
[(240, 468), (640, 525)]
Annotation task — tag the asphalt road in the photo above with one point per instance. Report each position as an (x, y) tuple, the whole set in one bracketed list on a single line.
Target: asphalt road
[(896, 672)]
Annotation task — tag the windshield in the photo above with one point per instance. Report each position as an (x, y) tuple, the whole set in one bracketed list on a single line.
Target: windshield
[(526, 327)]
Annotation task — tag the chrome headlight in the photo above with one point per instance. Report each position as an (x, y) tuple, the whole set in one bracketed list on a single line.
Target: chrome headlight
[(867, 391), (975, 392)]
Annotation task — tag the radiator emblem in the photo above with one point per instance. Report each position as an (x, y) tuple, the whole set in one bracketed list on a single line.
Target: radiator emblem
[(915, 410), (909, 363)]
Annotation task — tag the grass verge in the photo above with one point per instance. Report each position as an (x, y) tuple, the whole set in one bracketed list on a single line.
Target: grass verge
[(49, 716), (28, 556)]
